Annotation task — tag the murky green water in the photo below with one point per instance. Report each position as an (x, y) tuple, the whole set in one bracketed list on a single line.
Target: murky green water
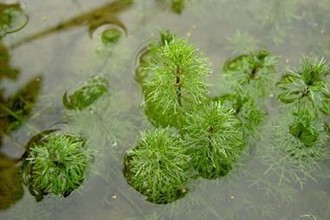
[(61, 57)]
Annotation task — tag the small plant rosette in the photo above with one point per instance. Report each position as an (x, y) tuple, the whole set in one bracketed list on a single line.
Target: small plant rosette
[(55, 163), (215, 139), (158, 166)]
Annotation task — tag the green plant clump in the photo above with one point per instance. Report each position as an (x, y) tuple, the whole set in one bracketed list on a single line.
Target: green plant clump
[(111, 36), (86, 94), (173, 84), (56, 164), (12, 18), (215, 139), (253, 73), (159, 166), (308, 86), (246, 110)]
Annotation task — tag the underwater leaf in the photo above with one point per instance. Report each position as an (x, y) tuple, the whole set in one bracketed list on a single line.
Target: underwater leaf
[(18, 108), (12, 18), (6, 71), (254, 72), (86, 94)]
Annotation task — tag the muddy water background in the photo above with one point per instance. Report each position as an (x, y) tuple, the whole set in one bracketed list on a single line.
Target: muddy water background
[(66, 58)]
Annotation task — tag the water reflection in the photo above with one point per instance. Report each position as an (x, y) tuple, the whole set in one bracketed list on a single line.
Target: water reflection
[(11, 188), (104, 15)]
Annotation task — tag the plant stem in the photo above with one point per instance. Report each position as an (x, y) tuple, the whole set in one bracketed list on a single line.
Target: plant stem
[(178, 84)]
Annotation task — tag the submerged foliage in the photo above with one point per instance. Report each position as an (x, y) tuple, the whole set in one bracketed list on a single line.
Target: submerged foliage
[(55, 163), (246, 109), (17, 109), (86, 94), (308, 86), (253, 73), (158, 166), (12, 18), (111, 36), (215, 139)]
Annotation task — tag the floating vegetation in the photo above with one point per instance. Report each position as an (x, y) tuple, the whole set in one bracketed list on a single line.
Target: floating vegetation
[(246, 109), (86, 94), (215, 139), (111, 36), (55, 163), (158, 166), (308, 86), (254, 73), (241, 43), (174, 83)]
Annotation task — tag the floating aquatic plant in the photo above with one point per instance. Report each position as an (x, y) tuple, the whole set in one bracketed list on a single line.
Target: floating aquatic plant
[(173, 83), (215, 139), (86, 94), (158, 166), (246, 110), (298, 145), (55, 163), (111, 36), (253, 73), (308, 86)]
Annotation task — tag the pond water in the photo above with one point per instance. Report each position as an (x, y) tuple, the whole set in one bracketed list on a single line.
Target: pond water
[(61, 53)]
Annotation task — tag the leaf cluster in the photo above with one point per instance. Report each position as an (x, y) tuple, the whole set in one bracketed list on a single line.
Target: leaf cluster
[(158, 166), (55, 164), (173, 83), (308, 86), (86, 94), (214, 138), (254, 73)]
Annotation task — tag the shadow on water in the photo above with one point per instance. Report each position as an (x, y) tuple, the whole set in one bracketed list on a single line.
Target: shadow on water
[(14, 110), (11, 187), (104, 15), (17, 108)]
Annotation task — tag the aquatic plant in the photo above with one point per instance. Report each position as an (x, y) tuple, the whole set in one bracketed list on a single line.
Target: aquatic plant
[(12, 18), (308, 86), (55, 163), (86, 94), (158, 166), (253, 73), (173, 81), (111, 36), (246, 109), (241, 42), (215, 139)]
